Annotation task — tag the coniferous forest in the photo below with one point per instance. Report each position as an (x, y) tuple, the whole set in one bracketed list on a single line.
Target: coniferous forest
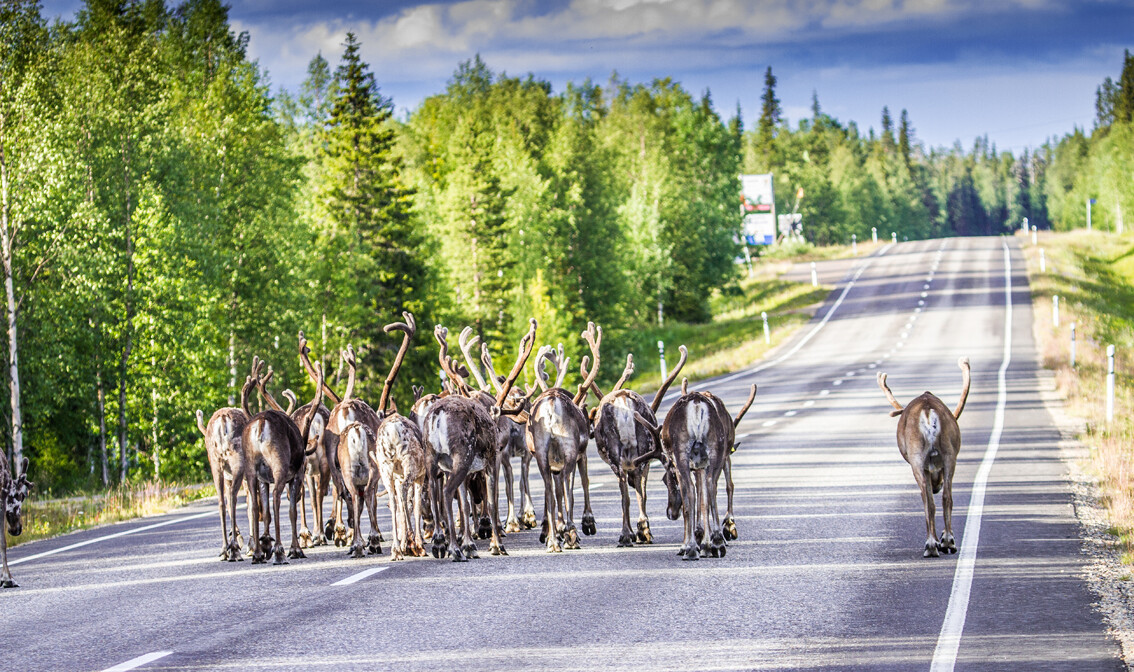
[(166, 215)]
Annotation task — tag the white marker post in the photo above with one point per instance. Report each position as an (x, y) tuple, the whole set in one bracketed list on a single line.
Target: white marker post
[(1109, 384), (894, 237), (1035, 240), (1043, 262), (1024, 225), (874, 234), (767, 332), (1055, 311), (661, 355), (1072, 345), (814, 276), (1089, 202), (854, 244)]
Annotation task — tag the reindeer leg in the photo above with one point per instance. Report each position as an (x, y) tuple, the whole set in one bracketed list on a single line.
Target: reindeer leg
[(304, 531), (403, 527), (277, 496), (716, 536), (374, 541), (643, 535), (356, 502), (572, 534), (218, 483), (318, 495), (466, 510), (6, 580), (689, 549), (513, 524), (494, 547), (626, 539), (392, 502), (527, 519), (295, 506), (450, 491), (234, 547), (729, 527), (254, 516), (550, 514), (588, 525), (930, 512), (947, 544), (419, 536)]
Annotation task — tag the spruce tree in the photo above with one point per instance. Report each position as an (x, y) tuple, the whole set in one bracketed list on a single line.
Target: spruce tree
[(770, 114), (904, 132), (1124, 101)]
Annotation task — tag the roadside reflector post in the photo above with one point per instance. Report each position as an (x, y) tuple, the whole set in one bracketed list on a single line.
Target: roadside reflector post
[(854, 244), (1043, 262), (1055, 311), (1035, 240), (767, 332), (874, 234), (894, 237), (814, 276), (1109, 383), (1072, 345), (661, 356)]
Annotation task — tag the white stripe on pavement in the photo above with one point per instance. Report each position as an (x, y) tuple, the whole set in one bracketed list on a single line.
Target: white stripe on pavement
[(37, 556), (138, 662), (949, 641), (355, 578)]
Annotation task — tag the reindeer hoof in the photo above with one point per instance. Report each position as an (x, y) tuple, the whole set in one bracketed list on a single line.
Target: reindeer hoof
[(543, 533), (528, 520), (497, 549), (930, 550), (554, 547), (356, 552), (305, 538), (438, 547), (8, 583), (643, 535), (947, 544), (280, 558), (259, 558), (625, 540), (571, 539), (458, 556), (699, 534), (374, 544), (484, 528), (729, 528), (396, 555), (717, 545), (329, 531), (295, 554), (689, 553), (470, 551), (589, 528), (266, 545), (239, 539), (341, 535), (512, 525)]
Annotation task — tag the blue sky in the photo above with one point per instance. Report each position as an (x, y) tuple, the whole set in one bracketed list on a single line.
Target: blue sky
[(1019, 71)]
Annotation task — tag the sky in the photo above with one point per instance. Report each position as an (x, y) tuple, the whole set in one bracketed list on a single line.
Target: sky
[(1018, 71)]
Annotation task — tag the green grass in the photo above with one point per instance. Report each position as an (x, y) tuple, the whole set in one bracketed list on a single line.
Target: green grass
[(1093, 275), (51, 517)]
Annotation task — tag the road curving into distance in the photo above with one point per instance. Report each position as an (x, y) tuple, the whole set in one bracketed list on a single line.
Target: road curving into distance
[(827, 573)]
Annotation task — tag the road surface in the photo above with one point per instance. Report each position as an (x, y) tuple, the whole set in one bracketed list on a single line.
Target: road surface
[(827, 573)]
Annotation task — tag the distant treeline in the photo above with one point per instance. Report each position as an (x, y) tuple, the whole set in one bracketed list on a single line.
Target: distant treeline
[(166, 217)]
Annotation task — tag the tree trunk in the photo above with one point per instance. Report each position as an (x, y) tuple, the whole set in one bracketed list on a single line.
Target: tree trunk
[(122, 429), (10, 295), (102, 427)]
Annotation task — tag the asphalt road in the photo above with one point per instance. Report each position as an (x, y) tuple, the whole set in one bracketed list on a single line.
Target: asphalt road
[(827, 573)]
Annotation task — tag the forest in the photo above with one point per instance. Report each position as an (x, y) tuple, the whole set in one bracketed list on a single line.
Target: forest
[(165, 215)]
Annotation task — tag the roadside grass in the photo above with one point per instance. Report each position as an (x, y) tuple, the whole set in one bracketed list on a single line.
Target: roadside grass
[(46, 518), (1093, 276), (735, 336)]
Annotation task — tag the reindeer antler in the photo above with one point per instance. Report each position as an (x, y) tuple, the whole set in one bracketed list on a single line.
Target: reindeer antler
[(584, 373), (351, 362), (452, 369), (467, 340), (593, 336), (655, 431), (408, 329), (669, 381), (315, 404), (262, 385), (304, 359), (526, 345), (889, 395), (292, 400)]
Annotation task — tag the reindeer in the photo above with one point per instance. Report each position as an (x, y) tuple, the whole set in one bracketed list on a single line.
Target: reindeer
[(460, 440), (620, 441), (557, 435), (509, 438), (929, 439), (401, 458), (223, 436), (319, 467), (320, 449), (694, 443), (13, 490), (274, 458)]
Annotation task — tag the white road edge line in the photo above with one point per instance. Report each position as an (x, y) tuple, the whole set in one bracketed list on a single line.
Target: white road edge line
[(138, 662), (355, 578), (803, 341), (144, 528), (949, 641)]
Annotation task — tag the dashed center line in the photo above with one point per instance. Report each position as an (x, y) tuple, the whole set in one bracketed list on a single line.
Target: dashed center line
[(135, 663), (809, 403), (769, 423), (790, 413), (355, 578), (823, 393)]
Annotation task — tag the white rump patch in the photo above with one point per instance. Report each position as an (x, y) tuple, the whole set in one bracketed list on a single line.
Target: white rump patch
[(930, 426), (262, 435), (439, 432), (553, 422), (623, 411), (697, 420)]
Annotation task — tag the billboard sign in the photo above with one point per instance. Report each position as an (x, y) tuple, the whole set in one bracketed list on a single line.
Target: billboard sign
[(757, 201)]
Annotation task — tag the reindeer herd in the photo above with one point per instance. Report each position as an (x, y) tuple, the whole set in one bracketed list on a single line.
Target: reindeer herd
[(455, 444), (440, 466)]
